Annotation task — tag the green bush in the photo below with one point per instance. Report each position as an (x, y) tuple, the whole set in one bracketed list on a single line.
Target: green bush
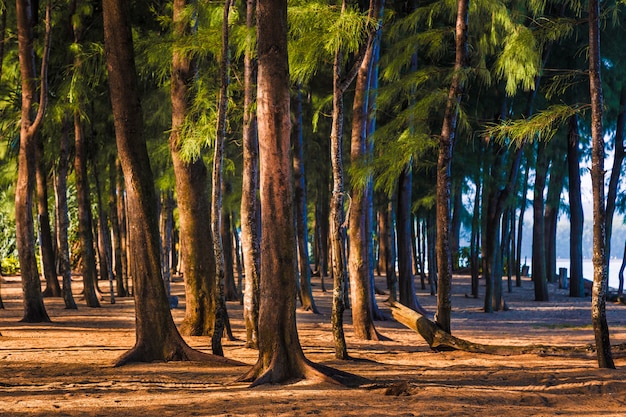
[(10, 265)]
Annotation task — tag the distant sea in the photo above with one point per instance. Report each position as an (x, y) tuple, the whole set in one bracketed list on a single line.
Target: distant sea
[(614, 266)]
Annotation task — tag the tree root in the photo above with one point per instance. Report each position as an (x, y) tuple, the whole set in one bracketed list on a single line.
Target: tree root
[(180, 353), (440, 340)]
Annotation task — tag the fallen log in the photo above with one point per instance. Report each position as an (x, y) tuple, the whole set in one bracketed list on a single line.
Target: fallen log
[(440, 340)]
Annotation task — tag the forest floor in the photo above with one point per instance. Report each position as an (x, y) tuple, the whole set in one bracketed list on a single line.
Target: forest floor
[(64, 368)]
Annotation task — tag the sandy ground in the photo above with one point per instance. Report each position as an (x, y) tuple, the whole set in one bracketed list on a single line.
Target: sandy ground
[(64, 368)]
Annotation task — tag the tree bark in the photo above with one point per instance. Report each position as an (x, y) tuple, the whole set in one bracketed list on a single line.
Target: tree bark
[(300, 207), (198, 258), (34, 309), (46, 247), (577, 285), (281, 358), (115, 228), (444, 161), (249, 202), (156, 335), (63, 221), (359, 233), (600, 276), (551, 213), (216, 195)]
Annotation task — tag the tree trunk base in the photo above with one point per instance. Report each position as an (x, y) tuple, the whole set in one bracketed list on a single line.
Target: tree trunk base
[(275, 374), (182, 352)]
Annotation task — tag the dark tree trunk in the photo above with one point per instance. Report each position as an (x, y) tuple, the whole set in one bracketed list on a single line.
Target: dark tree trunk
[(577, 284), (600, 277), (406, 284), (322, 227), (249, 201), (46, 246), (122, 220), (192, 185), (85, 221), (455, 226), (281, 358), (300, 207), (616, 172), (230, 287), (167, 226), (156, 335), (63, 221), (520, 228), (115, 229), (539, 249), (34, 309), (104, 244), (620, 289), (221, 317), (431, 251), (446, 143), (551, 213), (475, 238), (388, 252)]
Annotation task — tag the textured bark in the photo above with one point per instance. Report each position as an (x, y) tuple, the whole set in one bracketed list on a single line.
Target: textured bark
[(198, 258), (63, 221), (34, 309), (250, 184), (281, 358), (600, 275), (156, 335), (85, 221), (444, 161), (104, 244), (216, 192), (359, 233), (300, 207)]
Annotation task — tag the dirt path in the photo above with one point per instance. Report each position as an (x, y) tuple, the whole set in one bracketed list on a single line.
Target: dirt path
[(64, 368)]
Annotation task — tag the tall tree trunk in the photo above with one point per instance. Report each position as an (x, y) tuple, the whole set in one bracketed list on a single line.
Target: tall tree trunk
[(577, 284), (616, 171), (85, 221), (249, 201), (455, 225), (123, 222), (359, 234), (446, 143), (322, 226), (216, 196), (46, 247), (551, 213), (281, 358), (230, 287), (156, 335), (192, 185), (406, 284), (104, 244), (300, 207), (539, 249), (520, 228), (600, 277), (475, 238), (115, 228), (63, 221), (34, 309), (167, 226)]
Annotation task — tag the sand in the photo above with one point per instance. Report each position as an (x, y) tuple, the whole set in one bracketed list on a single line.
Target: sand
[(64, 368)]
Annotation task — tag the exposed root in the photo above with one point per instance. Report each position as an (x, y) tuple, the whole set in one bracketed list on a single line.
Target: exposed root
[(180, 353)]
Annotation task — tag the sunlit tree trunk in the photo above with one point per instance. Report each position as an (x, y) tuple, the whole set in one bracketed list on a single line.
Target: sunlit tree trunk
[(34, 309), (446, 143), (192, 185), (600, 277), (249, 201), (156, 335)]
